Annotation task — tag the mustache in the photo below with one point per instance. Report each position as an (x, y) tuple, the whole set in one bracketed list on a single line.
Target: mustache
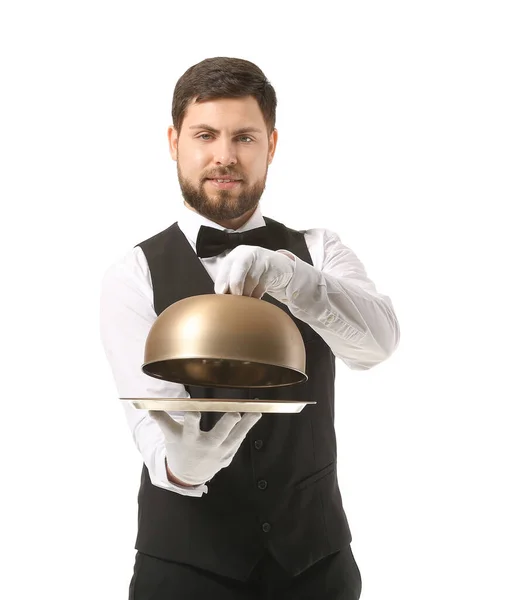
[(222, 175)]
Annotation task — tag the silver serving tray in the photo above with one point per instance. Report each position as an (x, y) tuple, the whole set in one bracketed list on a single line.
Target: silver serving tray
[(217, 405)]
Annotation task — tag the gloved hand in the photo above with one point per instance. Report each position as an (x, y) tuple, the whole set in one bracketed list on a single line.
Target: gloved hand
[(195, 456), (252, 271)]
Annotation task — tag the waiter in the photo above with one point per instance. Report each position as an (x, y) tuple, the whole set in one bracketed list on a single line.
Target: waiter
[(235, 507)]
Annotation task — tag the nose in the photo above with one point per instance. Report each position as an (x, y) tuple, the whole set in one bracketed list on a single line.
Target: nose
[(225, 153)]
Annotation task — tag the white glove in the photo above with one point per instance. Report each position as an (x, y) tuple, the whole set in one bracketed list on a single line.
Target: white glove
[(252, 271), (195, 456)]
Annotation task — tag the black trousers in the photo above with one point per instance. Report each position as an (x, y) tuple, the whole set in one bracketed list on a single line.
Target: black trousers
[(335, 577)]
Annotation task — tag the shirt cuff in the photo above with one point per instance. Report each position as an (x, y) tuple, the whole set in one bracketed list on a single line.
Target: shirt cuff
[(307, 297)]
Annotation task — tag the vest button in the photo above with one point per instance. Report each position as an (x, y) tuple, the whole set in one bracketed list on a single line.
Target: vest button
[(262, 484), (266, 527), (258, 444)]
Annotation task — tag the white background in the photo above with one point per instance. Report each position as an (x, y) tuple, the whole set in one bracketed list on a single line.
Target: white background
[(392, 131)]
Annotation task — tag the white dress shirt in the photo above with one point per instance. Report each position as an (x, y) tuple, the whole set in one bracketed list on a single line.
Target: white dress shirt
[(334, 296)]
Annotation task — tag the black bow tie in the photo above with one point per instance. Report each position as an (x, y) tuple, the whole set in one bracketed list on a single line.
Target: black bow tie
[(211, 241)]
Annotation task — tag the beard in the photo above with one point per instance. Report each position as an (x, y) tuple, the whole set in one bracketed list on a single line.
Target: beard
[(225, 205)]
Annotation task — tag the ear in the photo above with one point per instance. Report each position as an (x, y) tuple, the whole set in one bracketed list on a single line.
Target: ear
[(273, 140), (172, 135)]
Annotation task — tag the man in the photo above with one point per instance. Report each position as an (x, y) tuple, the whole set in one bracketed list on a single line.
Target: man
[(235, 507)]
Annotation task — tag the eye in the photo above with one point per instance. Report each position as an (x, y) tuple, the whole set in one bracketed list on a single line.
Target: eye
[(243, 138)]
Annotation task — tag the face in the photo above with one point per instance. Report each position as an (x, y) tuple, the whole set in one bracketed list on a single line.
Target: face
[(223, 139)]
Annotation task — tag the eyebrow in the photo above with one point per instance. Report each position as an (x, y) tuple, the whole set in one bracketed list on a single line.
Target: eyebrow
[(235, 132)]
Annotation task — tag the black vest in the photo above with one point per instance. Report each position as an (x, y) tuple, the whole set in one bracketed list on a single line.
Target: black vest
[(280, 493)]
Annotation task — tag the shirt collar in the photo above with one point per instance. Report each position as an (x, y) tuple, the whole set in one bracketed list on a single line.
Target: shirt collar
[(189, 222)]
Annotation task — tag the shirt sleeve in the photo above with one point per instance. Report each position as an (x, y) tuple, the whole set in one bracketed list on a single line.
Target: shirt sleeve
[(339, 301), (126, 316)]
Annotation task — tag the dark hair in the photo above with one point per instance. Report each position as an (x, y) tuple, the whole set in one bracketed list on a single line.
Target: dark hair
[(223, 77)]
